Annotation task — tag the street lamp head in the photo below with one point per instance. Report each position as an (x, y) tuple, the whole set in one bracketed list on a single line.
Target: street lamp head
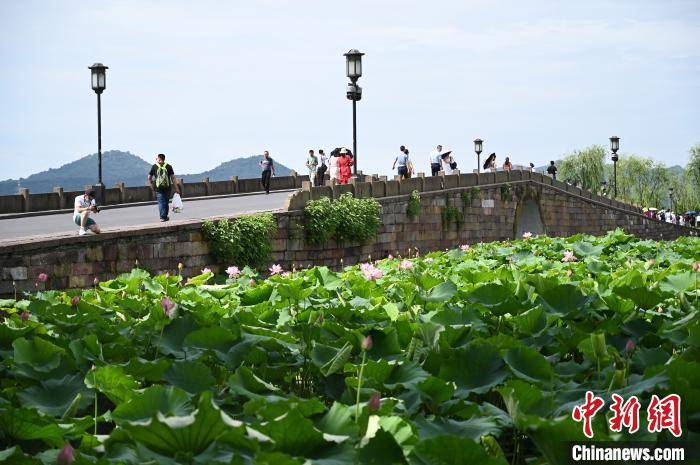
[(354, 92), (478, 146), (353, 62), (614, 144), (98, 77)]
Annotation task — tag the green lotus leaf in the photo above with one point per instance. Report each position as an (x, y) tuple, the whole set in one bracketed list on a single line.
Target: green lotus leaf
[(40, 354), (190, 375), (474, 368), (150, 370), (113, 382), (294, 434), (174, 335), (381, 449), (213, 337), (452, 450), (23, 424), (182, 435), (435, 389), (338, 421), (256, 294), (169, 401), (247, 384), (563, 299), (54, 396), (679, 282), (528, 364), (441, 293)]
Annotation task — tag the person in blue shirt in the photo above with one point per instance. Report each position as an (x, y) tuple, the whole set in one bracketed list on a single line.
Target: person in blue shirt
[(403, 161)]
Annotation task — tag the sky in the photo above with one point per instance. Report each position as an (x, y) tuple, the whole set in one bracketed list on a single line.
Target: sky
[(207, 81)]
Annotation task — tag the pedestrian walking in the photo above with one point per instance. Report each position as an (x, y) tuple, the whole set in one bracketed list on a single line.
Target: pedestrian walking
[(162, 179), (345, 161), (322, 167), (552, 170), (83, 206), (268, 170), (402, 161), (410, 165), (312, 165), (448, 163), (507, 166), (333, 168), (435, 159), (490, 163)]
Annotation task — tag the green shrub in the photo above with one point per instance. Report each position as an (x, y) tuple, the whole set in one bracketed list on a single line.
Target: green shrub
[(243, 241), (346, 219), (413, 209), (506, 192)]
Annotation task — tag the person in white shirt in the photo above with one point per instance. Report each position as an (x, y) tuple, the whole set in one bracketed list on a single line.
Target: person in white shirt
[(322, 167), (436, 160), (333, 168), (83, 205)]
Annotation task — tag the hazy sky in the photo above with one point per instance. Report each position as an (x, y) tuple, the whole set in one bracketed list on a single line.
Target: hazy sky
[(206, 81)]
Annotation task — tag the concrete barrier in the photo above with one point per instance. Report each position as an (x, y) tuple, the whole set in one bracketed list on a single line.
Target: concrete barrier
[(11, 203), (138, 194)]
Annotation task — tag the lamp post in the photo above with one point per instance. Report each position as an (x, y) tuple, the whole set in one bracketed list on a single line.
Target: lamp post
[(477, 148), (353, 67), (670, 196), (614, 147), (99, 83)]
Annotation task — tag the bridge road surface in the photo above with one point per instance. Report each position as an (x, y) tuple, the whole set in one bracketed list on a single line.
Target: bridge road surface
[(18, 228)]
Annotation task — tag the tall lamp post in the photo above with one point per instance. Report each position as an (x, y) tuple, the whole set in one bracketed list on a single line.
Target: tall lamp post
[(614, 147), (477, 148), (670, 196), (353, 65), (99, 84)]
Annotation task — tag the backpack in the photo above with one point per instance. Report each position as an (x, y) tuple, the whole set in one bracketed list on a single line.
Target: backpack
[(162, 177)]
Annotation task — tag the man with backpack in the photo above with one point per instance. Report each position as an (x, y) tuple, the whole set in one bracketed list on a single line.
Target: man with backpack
[(162, 179)]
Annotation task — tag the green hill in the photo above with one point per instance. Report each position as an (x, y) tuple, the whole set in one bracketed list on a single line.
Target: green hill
[(118, 166)]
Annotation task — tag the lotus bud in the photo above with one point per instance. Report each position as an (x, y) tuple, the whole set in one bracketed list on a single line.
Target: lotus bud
[(75, 300), (366, 343), (600, 349), (65, 456), (43, 277), (629, 347), (167, 274), (136, 263), (374, 402), (180, 266), (96, 281), (251, 282), (24, 315)]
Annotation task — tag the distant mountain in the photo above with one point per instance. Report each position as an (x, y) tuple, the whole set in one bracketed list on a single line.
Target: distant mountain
[(74, 176), (124, 167), (242, 167)]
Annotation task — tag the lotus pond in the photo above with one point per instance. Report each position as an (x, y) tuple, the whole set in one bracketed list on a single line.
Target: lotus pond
[(476, 355)]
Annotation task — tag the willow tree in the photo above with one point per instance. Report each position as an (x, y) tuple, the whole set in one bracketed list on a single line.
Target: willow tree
[(584, 167), (642, 181)]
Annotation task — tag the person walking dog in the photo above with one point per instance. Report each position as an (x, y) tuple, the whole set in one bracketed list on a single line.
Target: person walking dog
[(162, 179)]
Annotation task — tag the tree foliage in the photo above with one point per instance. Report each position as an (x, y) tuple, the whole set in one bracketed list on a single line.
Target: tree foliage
[(585, 168)]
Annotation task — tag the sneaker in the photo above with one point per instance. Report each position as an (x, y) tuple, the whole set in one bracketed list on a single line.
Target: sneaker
[(163, 220), (81, 232)]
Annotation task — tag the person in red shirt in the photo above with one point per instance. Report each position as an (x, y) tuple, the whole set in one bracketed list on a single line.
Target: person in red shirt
[(344, 164)]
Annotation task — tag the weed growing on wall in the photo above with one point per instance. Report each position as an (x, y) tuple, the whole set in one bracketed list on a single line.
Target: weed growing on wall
[(506, 192), (413, 209), (243, 241), (346, 219), (451, 215)]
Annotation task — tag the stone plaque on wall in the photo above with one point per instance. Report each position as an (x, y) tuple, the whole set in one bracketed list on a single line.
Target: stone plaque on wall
[(487, 203)]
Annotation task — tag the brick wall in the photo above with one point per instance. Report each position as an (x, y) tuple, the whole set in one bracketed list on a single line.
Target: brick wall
[(75, 261)]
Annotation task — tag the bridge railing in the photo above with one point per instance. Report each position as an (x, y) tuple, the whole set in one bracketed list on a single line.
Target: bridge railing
[(26, 202)]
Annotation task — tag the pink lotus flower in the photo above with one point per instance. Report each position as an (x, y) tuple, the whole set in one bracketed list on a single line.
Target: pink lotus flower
[(168, 306), (251, 282), (367, 343), (275, 269), (374, 402), (390, 257), (206, 270), (370, 271), (464, 247), (233, 272), (569, 257), (43, 277), (629, 347), (75, 300), (405, 265), (696, 267), (65, 456), (24, 315), (527, 235)]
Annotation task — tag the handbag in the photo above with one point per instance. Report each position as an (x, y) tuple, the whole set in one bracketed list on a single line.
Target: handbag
[(177, 203), (453, 165)]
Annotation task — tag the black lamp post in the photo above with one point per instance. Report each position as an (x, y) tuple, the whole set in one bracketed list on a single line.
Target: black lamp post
[(99, 83), (670, 196), (353, 64), (477, 148), (614, 147)]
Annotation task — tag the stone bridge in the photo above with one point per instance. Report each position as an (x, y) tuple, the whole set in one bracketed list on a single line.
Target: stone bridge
[(489, 206)]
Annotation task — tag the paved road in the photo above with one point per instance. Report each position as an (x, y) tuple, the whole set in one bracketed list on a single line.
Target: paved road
[(17, 228)]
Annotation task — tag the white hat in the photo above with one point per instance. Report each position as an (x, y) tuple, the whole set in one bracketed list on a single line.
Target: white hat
[(343, 150)]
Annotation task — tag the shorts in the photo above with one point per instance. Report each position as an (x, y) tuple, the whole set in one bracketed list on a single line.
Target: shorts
[(403, 170), (89, 222)]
